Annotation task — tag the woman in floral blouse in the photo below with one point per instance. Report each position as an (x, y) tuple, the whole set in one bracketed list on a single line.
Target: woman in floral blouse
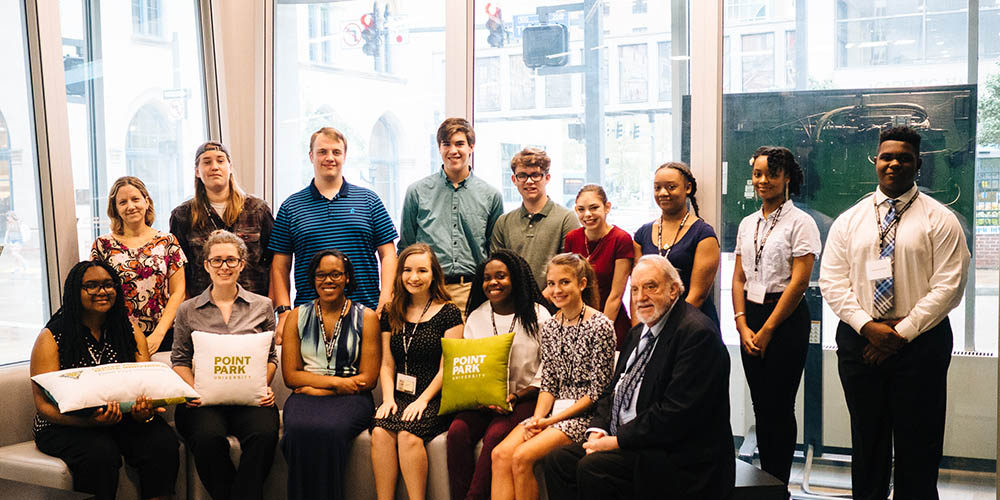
[(147, 261)]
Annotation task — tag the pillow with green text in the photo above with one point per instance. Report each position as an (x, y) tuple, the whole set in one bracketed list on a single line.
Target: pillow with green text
[(475, 373), (231, 369)]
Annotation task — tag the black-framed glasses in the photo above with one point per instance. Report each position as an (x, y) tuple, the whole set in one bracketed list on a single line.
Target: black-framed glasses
[(96, 287), (534, 176), (332, 275), (230, 262)]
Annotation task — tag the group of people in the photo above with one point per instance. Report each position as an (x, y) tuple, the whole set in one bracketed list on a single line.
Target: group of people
[(364, 317)]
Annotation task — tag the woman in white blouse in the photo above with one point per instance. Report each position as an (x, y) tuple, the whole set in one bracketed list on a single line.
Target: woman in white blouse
[(775, 251)]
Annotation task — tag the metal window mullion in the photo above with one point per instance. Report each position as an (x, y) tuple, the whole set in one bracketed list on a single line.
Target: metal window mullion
[(51, 122)]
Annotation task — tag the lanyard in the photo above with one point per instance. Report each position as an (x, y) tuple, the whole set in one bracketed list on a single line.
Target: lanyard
[(408, 339), (562, 329), (208, 213), (493, 318), (330, 343), (882, 233), (759, 250), (659, 235)]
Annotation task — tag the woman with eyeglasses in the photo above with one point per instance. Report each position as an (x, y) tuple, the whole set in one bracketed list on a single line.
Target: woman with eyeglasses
[(90, 329), (150, 263), (226, 307), (330, 358), (680, 235), (219, 203)]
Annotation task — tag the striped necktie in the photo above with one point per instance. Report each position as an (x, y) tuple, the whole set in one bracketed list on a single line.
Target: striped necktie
[(883, 288), (630, 379)]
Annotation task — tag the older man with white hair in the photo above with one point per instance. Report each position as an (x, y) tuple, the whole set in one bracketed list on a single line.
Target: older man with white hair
[(661, 427)]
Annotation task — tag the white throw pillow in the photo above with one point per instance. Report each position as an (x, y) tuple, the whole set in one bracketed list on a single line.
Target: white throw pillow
[(231, 369), (95, 386)]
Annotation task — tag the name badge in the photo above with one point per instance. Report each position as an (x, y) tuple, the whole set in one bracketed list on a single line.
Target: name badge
[(406, 383), (562, 404), (756, 291), (879, 269)]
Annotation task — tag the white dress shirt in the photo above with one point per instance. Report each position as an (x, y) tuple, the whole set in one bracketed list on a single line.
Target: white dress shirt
[(794, 235), (930, 263), (524, 365)]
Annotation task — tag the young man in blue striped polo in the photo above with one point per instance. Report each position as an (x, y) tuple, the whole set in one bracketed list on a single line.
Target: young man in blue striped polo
[(331, 213)]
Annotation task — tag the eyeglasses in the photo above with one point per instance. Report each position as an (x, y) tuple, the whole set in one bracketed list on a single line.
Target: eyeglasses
[(534, 176), (332, 275), (96, 287), (230, 262)]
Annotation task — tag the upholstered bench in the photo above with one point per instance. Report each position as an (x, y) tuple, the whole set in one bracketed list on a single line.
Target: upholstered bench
[(20, 460)]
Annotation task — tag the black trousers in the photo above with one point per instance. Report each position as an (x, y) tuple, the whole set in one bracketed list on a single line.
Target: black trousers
[(204, 429), (774, 381), (94, 455), (571, 474), (899, 405)]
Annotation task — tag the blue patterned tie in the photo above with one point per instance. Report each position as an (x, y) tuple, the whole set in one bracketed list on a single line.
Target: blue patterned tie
[(883, 288), (630, 379)]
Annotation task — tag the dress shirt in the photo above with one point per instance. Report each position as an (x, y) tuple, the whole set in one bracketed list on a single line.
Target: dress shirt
[(251, 313), (457, 222), (628, 411), (930, 263), (524, 366), (795, 234), (536, 237)]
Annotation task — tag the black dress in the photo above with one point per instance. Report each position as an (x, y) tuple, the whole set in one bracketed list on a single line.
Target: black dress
[(423, 362)]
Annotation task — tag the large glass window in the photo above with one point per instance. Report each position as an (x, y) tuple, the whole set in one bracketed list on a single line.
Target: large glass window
[(867, 65), (616, 129), (24, 304), (136, 104), (382, 86)]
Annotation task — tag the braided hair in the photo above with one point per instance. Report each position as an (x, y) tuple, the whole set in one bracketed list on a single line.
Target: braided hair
[(780, 159), (688, 176), (524, 290), (116, 329)]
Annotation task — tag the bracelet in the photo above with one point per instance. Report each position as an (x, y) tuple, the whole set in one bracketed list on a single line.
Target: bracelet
[(737, 315)]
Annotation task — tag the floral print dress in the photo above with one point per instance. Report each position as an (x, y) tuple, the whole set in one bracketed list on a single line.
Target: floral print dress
[(145, 272)]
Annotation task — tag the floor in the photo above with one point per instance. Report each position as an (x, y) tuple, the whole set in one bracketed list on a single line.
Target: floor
[(834, 481)]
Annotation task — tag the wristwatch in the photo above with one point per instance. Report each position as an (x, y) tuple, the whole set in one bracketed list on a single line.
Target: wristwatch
[(278, 311)]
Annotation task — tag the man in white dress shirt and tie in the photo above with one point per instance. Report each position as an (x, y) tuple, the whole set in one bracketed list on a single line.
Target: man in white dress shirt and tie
[(894, 265), (661, 427)]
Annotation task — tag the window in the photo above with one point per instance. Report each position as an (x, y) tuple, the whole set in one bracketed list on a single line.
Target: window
[(522, 84), (639, 7), (136, 109), (24, 306), (745, 10), (146, 18), (388, 99), (758, 62), (665, 60), (320, 35), (905, 32), (632, 76), (607, 115)]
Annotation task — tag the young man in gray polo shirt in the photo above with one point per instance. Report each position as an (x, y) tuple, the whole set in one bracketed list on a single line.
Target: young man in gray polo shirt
[(536, 229)]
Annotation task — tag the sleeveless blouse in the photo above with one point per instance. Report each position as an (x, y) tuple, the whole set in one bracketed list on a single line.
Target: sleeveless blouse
[(346, 359)]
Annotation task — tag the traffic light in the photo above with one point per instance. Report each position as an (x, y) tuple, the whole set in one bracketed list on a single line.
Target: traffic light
[(618, 131), (371, 34), (635, 131), (498, 34)]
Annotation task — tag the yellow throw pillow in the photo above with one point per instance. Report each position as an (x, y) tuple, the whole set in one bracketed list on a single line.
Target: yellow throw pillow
[(475, 373)]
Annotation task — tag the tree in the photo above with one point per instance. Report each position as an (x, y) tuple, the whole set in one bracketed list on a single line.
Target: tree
[(989, 110)]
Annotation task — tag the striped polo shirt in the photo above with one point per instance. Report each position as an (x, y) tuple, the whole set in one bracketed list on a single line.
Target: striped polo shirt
[(354, 222)]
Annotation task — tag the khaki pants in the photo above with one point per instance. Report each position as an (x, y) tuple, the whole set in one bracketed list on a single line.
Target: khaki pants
[(459, 295)]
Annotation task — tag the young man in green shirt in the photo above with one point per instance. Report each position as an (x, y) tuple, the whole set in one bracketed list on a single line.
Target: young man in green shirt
[(536, 229), (452, 210)]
